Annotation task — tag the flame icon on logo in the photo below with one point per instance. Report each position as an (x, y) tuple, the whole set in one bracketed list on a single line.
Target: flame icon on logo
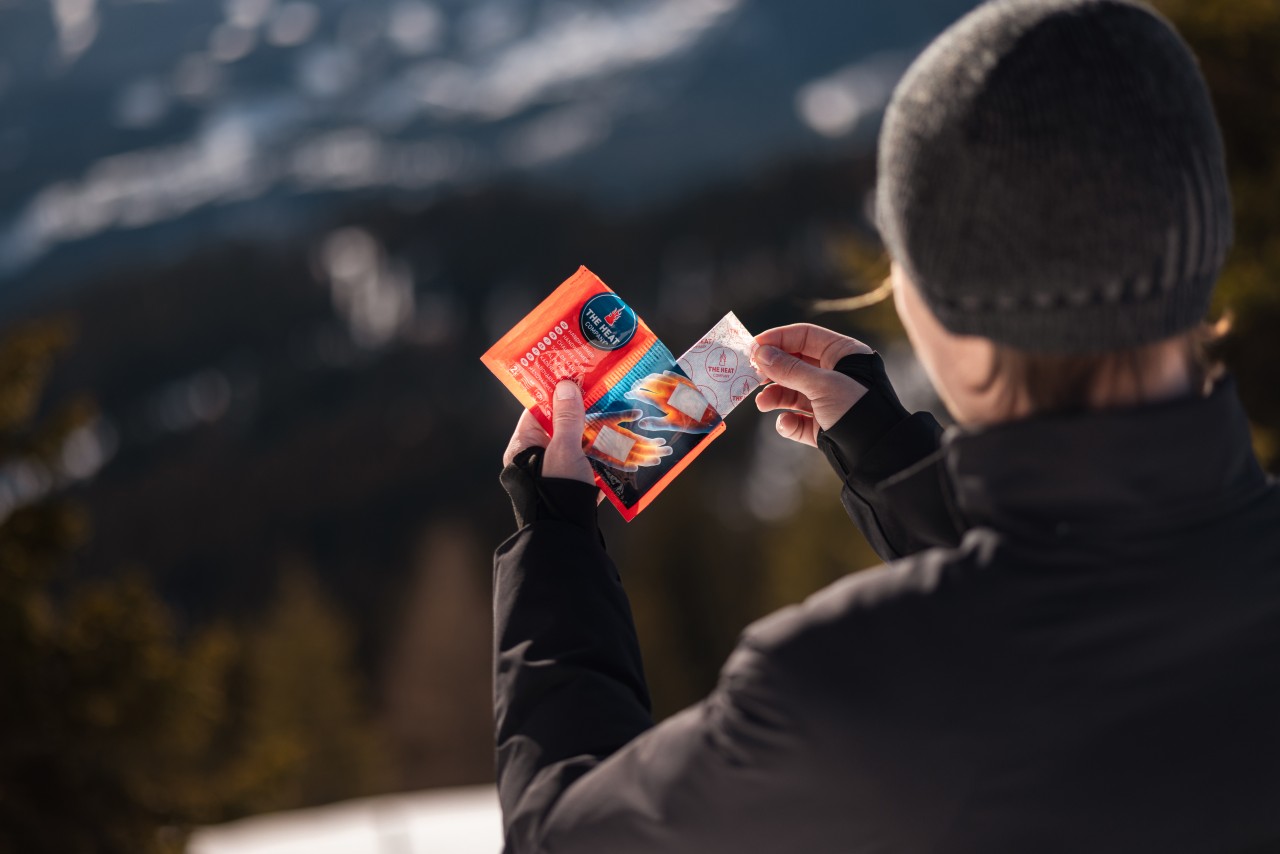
[(612, 317)]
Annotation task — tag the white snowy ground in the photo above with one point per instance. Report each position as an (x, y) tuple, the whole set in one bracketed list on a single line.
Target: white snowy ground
[(438, 821)]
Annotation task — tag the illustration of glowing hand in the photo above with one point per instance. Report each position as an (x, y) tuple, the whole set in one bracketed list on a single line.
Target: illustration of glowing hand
[(685, 409), (607, 441)]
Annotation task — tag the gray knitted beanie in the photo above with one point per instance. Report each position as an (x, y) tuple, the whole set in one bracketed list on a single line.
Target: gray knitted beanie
[(1051, 177)]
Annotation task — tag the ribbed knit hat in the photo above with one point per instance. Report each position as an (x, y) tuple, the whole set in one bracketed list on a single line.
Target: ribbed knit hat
[(1051, 177)]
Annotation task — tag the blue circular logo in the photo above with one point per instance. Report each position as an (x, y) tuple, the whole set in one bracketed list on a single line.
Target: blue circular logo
[(607, 322)]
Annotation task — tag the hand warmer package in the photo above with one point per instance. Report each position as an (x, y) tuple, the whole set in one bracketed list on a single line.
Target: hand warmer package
[(720, 364), (646, 418)]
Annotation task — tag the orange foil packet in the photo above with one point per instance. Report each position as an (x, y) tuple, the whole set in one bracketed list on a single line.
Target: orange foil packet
[(646, 419)]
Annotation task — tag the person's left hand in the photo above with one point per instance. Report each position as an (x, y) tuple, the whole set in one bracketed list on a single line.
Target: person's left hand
[(564, 457)]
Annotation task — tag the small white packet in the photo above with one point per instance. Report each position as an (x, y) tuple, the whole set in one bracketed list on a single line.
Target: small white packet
[(720, 364)]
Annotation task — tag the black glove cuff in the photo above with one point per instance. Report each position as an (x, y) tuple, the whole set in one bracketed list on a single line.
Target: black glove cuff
[(868, 369), (535, 498), (867, 421)]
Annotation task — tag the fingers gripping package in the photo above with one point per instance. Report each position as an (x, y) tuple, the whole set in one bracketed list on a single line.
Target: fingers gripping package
[(648, 413)]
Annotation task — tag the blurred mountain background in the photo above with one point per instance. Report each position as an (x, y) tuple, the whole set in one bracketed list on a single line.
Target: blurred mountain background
[(250, 253)]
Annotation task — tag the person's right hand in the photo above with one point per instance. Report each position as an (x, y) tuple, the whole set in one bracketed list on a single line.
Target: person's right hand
[(799, 359)]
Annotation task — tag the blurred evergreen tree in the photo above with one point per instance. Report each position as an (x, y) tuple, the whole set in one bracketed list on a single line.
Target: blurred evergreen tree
[(302, 728), (816, 547), (116, 733), (1238, 43)]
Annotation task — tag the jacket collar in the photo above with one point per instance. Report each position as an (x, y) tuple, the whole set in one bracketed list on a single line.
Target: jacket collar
[(1161, 464)]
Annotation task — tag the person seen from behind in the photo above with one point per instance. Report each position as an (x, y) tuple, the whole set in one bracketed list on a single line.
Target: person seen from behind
[(1074, 643)]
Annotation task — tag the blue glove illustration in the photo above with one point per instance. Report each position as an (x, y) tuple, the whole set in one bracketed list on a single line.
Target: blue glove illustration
[(605, 440), (684, 408)]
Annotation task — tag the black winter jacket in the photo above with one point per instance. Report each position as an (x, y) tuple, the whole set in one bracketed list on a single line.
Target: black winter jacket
[(1074, 648)]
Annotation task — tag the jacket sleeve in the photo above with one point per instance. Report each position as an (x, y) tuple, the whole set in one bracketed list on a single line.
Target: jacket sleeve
[(895, 486), (569, 688), (581, 768)]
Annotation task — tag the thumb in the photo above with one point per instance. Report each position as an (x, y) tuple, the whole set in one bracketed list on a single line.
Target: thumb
[(792, 372), (564, 456), (568, 418)]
